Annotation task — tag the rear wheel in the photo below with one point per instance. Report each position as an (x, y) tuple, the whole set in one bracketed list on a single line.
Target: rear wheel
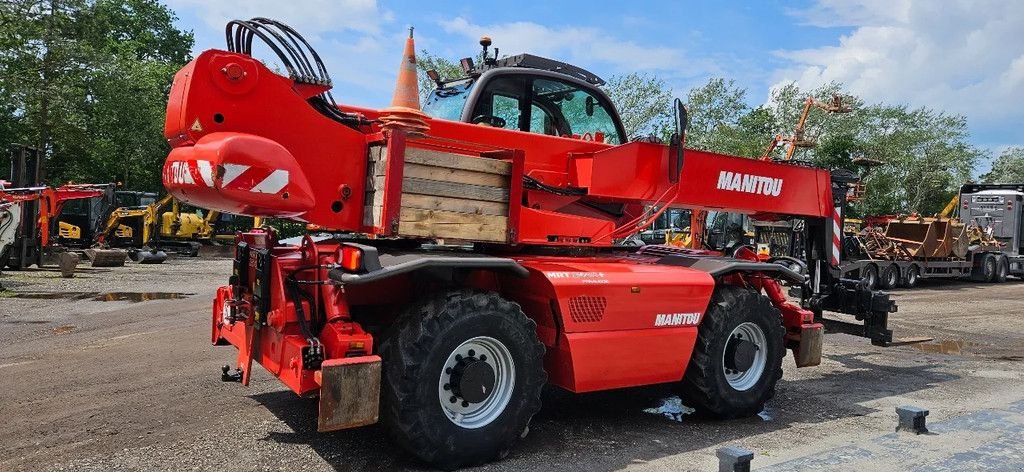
[(1002, 269), (463, 373), (737, 359), (911, 277), (985, 270), (869, 276), (890, 277)]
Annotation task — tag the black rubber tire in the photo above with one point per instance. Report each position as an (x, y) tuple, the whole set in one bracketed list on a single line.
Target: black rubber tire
[(414, 353), (869, 276), (890, 277), (1002, 269), (911, 277), (985, 270), (704, 386)]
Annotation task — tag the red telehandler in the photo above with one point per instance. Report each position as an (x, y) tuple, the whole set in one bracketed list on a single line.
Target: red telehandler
[(475, 259)]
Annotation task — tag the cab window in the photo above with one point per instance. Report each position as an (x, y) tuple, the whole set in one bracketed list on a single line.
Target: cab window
[(582, 114), (546, 106)]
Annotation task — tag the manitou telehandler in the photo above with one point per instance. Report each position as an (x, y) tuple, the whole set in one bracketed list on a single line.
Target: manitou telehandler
[(478, 260)]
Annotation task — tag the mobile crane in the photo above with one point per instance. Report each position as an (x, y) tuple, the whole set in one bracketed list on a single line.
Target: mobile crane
[(526, 163)]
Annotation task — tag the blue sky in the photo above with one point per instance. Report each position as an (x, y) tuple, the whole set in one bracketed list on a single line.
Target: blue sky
[(960, 56)]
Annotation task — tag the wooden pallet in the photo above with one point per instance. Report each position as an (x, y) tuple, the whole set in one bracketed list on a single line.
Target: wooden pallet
[(444, 195)]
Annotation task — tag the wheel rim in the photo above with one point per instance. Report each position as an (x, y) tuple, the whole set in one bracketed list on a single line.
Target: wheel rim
[(743, 368), (912, 275), (870, 278), (476, 382)]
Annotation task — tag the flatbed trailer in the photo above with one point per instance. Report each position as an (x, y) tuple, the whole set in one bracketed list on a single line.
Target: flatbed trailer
[(994, 208)]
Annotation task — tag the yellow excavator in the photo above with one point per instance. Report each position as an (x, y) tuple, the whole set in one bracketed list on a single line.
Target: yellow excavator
[(146, 226)]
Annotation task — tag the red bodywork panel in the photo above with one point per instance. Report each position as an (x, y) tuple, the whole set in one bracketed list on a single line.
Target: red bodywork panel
[(613, 314)]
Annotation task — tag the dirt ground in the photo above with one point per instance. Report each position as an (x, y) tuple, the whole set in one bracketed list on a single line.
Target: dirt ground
[(104, 377)]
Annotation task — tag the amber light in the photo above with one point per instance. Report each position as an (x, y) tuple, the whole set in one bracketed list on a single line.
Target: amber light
[(351, 258)]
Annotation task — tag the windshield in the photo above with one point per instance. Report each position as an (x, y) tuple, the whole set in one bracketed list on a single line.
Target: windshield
[(447, 103)]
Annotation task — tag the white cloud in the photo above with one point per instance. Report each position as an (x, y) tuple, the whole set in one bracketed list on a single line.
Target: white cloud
[(310, 17), (964, 57), (580, 45), (351, 36)]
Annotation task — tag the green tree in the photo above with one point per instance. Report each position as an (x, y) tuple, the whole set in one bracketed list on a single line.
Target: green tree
[(87, 82), (715, 110), (1008, 168), (644, 102), (446, 70)]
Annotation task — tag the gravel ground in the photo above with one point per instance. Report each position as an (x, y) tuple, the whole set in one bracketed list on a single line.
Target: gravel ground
[(100, 378)]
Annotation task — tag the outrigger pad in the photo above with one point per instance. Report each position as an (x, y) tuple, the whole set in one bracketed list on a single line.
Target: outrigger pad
[(349, 392)]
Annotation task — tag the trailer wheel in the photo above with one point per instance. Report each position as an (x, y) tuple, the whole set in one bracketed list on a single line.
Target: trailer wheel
[(890, 277), (869, 276), (911, 277), (462, 377), (1002, 269), (737, 359), (986, 270)]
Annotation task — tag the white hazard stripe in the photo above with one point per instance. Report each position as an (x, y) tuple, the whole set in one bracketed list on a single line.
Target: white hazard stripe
[(275, 182), (205, 172), (231, 172)]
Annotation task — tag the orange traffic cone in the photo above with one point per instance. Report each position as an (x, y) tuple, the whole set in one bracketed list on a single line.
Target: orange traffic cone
[(404, 112)]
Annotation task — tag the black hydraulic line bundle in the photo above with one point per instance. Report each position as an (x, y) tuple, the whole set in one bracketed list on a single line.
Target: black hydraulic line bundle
[(294, 52)]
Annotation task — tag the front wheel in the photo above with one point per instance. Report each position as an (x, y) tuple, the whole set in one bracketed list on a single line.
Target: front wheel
[(737, 359), (463, 374)]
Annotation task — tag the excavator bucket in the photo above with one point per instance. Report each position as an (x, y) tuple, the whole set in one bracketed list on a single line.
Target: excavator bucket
[(106, 257), (916, 236), (943, 239), (960, 240)]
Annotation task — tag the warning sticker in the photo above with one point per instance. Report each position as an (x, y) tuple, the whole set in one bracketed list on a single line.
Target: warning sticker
[(196, 126)]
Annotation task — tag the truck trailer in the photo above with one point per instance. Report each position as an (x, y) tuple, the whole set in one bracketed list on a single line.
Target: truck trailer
[(983, 244)]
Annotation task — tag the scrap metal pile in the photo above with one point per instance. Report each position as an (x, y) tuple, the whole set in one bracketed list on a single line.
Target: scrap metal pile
[(922, 238)]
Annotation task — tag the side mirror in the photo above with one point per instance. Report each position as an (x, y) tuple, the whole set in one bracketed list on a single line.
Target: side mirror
[(677, 142)]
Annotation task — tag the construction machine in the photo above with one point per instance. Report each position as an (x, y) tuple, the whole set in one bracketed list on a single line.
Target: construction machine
[(478, 261), (26, 214), (140, 222)]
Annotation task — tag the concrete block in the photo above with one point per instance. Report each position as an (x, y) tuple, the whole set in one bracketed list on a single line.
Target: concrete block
[(734, 459), (911, 419)]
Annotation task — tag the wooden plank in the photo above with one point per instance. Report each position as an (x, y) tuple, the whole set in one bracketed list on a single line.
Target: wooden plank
[(446, 174), (377, 153), (451, 225), (455, 190), (457, 205), (456, 161)]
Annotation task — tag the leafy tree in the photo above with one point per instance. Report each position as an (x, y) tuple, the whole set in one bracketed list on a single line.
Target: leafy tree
[(445, 68), (644, 102), (87, 82), (714, 109), (1007, 168)]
